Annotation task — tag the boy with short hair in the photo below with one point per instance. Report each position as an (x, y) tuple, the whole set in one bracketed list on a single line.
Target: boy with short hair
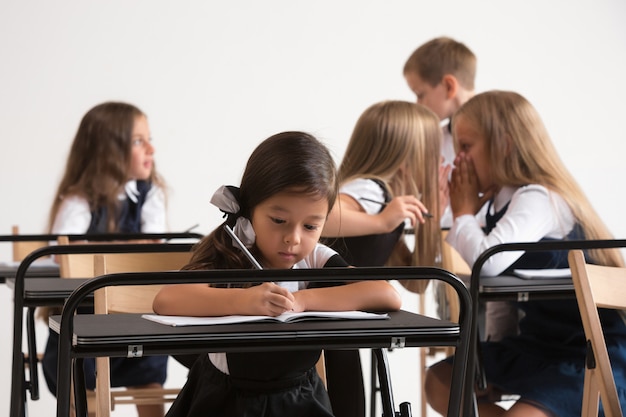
[(441, 73)]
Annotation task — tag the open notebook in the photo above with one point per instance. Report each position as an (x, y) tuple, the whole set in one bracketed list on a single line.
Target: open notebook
[(285, 318), (543, 273)]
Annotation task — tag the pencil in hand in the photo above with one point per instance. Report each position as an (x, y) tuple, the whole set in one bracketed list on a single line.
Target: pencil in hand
[(382, 203)]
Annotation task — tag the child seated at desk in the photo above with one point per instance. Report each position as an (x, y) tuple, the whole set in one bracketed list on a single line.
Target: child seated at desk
[(506, 154), (288, 188), (110, 185)]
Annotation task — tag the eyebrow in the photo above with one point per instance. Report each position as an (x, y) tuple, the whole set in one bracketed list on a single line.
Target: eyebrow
[(283, 210)]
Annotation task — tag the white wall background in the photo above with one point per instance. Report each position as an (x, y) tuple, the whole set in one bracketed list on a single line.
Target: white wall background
[(216, 78)]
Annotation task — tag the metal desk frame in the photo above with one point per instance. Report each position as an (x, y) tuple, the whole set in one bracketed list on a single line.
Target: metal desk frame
[(70, 351), (19, 383), (474, 369)]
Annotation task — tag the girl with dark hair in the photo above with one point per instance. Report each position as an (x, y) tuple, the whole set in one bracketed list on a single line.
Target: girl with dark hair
[(288, 188)]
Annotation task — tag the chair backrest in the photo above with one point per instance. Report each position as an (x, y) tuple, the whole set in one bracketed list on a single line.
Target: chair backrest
[(23, 248), (605, 287), (74, 265), (133, 298), (127, 299)]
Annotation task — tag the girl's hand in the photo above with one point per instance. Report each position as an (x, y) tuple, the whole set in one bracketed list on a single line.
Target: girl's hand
[(299, 304), (464, 187), (401, 208), (267, 299)]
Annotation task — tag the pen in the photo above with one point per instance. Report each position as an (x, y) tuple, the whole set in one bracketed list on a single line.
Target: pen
[(191, 228), (245, 250), (382, 203)]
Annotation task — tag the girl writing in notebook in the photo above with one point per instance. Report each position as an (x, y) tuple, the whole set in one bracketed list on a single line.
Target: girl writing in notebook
[(110, 184), (506, 155), (288, 188), (389, 173)]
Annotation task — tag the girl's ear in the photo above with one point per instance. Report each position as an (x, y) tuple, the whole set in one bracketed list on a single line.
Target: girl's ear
[(451, 84)]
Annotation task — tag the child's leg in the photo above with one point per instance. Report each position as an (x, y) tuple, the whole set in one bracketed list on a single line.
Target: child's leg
[(437, 386)]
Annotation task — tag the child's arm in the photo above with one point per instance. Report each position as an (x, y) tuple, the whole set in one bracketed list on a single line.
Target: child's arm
[(347, 218), (364, 295), (267, 299)]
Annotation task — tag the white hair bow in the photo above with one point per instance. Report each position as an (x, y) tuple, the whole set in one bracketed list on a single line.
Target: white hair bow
[(225, 200)]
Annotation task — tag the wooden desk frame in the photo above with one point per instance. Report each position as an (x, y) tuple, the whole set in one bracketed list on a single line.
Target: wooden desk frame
[(70, 350)]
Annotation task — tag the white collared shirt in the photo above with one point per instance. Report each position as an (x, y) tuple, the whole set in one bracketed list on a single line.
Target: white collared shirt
[(534, 212), (74, 215)]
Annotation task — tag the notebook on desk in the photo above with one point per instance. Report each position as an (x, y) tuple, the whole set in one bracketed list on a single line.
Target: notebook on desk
[(543, 273), (284, 318)]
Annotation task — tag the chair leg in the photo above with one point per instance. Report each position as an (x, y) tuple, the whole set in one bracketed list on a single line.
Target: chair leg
[(591, 394)]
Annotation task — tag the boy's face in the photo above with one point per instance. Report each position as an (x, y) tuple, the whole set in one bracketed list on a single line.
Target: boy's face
[(435, 97)]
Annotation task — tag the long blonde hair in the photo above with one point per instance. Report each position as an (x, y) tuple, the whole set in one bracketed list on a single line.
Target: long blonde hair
[(521, 153), (394, 134)]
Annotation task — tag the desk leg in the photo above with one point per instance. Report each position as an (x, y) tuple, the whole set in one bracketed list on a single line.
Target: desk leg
[(33, 361), (384, 379), (374, 387), (80, 393), (18, 388)]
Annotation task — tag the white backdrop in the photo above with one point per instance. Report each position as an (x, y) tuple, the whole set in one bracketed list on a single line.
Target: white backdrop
[(216, 78)]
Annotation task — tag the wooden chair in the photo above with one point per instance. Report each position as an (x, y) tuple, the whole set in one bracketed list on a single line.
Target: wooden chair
[(22, 249), (120, 299), (597, 287), (74, 265), (129, 299)]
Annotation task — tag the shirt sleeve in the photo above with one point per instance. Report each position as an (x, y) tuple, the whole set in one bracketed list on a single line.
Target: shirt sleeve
[(533, 213), (153, 212), (362, 190), (73, 217)]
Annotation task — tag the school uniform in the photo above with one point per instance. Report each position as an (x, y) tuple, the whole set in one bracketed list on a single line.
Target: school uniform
[(367, 250), (343, 367), (142, 210), (544, 364), (259, 383)]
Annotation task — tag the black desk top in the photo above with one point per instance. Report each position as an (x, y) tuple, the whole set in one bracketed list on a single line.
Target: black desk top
[(36, 269), (48, 291), (511, 284), (113, 334)]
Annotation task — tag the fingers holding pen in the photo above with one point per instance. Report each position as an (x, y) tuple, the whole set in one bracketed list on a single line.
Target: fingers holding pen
[(406, 207), (269, 299)]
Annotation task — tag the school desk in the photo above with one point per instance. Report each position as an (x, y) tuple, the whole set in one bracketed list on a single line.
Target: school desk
[(47, 268), (514, 288), (121, 335), (52, 291)]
